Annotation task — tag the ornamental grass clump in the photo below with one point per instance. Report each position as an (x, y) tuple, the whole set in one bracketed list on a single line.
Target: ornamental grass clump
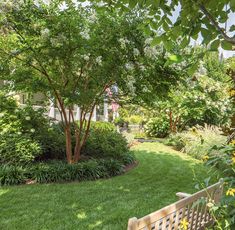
[(197, 141)]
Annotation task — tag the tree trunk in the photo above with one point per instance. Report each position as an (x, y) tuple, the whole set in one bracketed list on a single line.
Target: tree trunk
[(171, 129), (68, 144), (77, 149), (81, 137)]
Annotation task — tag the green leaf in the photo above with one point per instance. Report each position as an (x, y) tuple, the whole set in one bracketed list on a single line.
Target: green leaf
[(156, 41), (232, 28), (193, 69), (226, 45), (154, 25), (175, 58), (232, 5), (206, 34), (215, 45), (155, 3), (132, 3), (184, 42), (165, 26), (168, 45)]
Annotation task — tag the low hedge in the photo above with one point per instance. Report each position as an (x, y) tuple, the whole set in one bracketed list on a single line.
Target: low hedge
[(60, 171)]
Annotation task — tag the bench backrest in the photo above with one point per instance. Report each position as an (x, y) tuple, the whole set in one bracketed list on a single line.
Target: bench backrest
[(189, 209)]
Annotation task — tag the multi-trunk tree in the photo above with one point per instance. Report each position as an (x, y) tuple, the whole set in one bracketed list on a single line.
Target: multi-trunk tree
[(71, 52)]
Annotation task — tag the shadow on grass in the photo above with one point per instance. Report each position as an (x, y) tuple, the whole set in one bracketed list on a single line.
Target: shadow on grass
[(102, 204)]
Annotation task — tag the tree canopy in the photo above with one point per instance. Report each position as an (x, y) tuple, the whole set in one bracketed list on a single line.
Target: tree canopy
[(186, 19), (70, 52)]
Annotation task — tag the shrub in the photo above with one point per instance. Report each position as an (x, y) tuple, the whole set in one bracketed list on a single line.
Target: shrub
[(23, 133), (198, 141), (59, 171), (120, 121), (157, 127), (11, 175), (176, 140), (105, 144), (224, 159), (27, 135), (52, 144), (127, 158), (135, 119), (18, 149), (49, 136), (113, 167), (103, 126)]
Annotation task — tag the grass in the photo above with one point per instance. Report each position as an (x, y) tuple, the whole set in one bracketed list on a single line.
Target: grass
[(103, 204)]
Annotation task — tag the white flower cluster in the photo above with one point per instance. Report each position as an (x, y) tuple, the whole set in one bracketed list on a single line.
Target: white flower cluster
[(85, 34), (44, 2), (129, 66), (92, 18), (27, 118), (148, 41), (130, 84), (58, 41), (36, 3), (32, 130), (124, 42), (45, 33), (140, 66), (99, 60), (145, 89), (150, 52), (100, 4), (76, 4), (136, 52), (86, 57), (63, 6)]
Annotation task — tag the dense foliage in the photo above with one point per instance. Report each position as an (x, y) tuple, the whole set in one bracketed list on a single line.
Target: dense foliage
[(27, 136), (58, 171), (224, 160), (16, 143), (191, 19), (59, 49), (28, 141), (157, 127), (203, 98), (197, 141)]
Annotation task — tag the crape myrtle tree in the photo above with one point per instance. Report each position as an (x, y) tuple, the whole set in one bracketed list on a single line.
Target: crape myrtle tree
[(71, 52)]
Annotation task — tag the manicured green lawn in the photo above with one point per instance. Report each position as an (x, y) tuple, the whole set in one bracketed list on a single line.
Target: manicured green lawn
[(102, 204)]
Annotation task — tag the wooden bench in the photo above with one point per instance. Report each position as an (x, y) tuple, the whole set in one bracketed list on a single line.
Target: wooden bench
[(188, 208)]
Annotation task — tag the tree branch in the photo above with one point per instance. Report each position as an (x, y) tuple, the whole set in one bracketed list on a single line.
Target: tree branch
[(216, 25)]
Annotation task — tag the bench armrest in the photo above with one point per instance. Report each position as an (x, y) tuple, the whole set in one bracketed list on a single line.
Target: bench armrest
[(182, 195)]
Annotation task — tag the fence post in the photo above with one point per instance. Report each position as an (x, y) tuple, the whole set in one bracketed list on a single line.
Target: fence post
[(132, 224)]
